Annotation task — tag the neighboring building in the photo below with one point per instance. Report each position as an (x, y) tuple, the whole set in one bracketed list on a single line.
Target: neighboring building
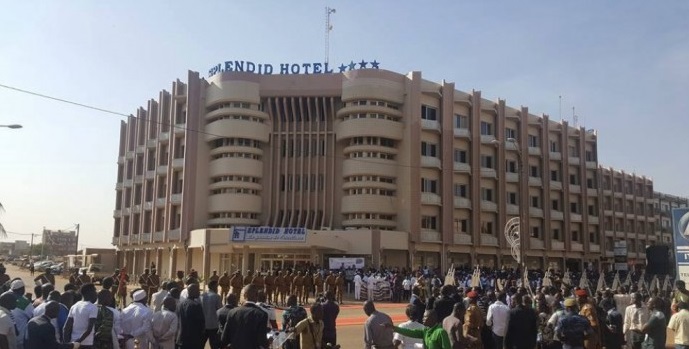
[(664, 206), (373, 163), (16, 248), (58, 242)]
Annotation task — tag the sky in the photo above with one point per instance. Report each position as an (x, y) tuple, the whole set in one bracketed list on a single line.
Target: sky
[(624, 66)]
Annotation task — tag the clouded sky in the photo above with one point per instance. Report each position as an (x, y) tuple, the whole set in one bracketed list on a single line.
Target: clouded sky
[(624, 65)]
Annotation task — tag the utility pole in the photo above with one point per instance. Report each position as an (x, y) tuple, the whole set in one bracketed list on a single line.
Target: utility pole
[(43, 241), (76, 247), (328, 28)]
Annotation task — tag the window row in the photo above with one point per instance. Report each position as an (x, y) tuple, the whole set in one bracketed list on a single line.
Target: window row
[(235, 117), (373, 102), (235, 142), (371, 154), (370, 116), (235, 179), (236, 155), (246, 215), (304, 182), (234, 191), (369, 216), (370, 191), (243, 105), (380, 141), (370, 179), (297, 147)]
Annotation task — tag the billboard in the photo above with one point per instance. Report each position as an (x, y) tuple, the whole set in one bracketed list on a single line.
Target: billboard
[(620, 255), (680, 228), (59, 243), (271, 234)]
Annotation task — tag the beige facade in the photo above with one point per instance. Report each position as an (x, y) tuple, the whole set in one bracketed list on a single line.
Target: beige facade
[(363, 152)]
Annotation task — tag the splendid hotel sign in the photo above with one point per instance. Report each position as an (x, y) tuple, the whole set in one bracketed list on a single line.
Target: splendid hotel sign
[(289, 68), (271, 234)]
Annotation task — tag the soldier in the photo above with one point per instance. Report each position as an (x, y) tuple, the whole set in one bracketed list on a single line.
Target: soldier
[(214, 277), (473, 322), (74, 276), (224, 283), (339, 287), (236, 283), (83, 278), (115, 282), (47, 277), (308, 287), (298, 286), (122, 281), (153, 284), (288, 284), (270, 286), (259, 281), (143, 280), (249, 277), (330, 283), (318, 283), (180, 280), (280, 289)]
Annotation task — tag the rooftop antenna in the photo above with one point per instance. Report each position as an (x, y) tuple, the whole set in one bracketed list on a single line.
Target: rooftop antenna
[(328, 28), (560, 108), (575, 118)]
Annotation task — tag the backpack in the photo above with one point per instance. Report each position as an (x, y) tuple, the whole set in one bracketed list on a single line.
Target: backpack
[(103, 327)]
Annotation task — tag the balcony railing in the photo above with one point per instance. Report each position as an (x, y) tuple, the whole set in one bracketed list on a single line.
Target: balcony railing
[(431, 199), (430, 161), (512, 177), (488, 206), (557, 215), (174, 234), (576, 246), (535, 212), (461, 167), (557, 245), (433, 125), (430, 236), (461, 202), (158, 236), (488, 240), (535, 243), (462, 132), (594, 248), (512, 210), (462, 239)]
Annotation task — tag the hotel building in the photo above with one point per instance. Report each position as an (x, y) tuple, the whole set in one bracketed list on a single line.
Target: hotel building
[(389, 167)]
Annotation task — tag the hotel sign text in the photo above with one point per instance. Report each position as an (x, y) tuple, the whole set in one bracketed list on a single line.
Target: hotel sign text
[(273, 234), (289, 68)]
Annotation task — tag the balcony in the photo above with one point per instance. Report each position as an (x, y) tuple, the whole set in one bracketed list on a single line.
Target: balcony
[(576, 246), (607, 212), (594, 248), (591, 165), (557, 245), (120, 160), (575, 189), (489, 206), (164, 136), (555, 185), (488, 172), (536, 243), (462, 239), (430, 161), (431, 199), (609, 233), (487, 139), (630, 215), (129, 155), (136, 209), (115, 240), (148, 205), (150, 174), (161, 170), (510, 146), (177, 163), (160, 202), (535, 181), (619, 214), (430, 236), (141, 149), (535, 212), (461, 167), (138, 179), (557, 215), (128, 183), (116, 214), (574, 160), (146, 238), (593, 219), (151, 143), (180, 128), (126, 211), (555, 155), (512, 177), (119, 186), (592, 192), (609, 254), (174, 235), (158, 236), (461, 202), (488, 240), (462, 133), (432, 125), (512, 210), (575, 217), (176, 198), (535, 151)]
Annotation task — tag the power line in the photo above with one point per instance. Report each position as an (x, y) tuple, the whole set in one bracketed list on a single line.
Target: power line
[(37, 94)]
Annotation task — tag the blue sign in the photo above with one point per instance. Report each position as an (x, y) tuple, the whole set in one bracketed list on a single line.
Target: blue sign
[(272, 234), (680, 228), (289, 68)]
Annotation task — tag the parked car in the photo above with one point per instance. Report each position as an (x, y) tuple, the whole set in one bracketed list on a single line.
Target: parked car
[(57, 268)]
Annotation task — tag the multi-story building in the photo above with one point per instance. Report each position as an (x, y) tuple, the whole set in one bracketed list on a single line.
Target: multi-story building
[(390, 167), (628, 213), (665, 203)]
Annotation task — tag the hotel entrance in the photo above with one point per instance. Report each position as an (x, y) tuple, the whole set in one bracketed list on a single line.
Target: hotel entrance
[(283, 261)]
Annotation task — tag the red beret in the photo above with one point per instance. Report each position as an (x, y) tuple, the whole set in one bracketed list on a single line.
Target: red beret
[(581, 293), (472, 294)]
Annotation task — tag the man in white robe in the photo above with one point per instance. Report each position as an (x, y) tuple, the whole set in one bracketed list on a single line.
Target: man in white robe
[(136, 321), (357, 286), (164, 325)]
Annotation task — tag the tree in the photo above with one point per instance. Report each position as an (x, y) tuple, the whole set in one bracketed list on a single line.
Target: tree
[(3, 232)]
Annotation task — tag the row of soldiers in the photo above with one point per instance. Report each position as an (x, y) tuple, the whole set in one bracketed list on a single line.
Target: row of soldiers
[(278, 285)]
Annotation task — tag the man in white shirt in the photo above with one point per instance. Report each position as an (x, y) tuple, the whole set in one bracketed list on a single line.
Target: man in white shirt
[(136, 321), (408, 342), (635, 317), (371, 287), (158, 297), (498, 313), (164, 325), (82, 317), (24, 310), (272, 317), (357, 286), (8, 332), (679, 324)]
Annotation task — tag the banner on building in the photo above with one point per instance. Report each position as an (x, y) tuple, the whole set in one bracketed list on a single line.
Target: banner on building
[(680, 228), (620, 255), (59, 243), (270, 234), (345, 263)]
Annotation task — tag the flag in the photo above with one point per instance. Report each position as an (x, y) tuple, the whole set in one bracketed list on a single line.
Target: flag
[(450, 277), (628, 280), (583, 281), (601, 283), (476, 278), (547, 281), (642, 281), (616, 282), (667, 286)]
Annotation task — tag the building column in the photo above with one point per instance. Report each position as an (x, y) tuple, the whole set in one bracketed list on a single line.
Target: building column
[(146, 261), (159, 260), (206, 249), (135, 267), (189, 258), (375, 248), (245, 259), (173, 263)]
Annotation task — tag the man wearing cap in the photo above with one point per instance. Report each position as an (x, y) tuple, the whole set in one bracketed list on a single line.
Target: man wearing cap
[(143, 280), (136, 321), (153, 283), (588, 310), (473, 322), (224, 283), (24, 310), (572, 328)]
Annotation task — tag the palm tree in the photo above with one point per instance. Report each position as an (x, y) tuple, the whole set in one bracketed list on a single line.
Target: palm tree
[(3, 232)]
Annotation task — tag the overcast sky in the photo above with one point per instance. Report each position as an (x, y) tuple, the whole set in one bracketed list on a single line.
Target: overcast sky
[(624, 65)]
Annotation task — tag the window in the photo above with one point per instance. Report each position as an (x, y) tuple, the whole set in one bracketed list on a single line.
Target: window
[(555, 204), (554, 147), (573, 179), (535, 232), (488, 228), (510, 133), (511, 166), (486, 128), (486, 194), (460, 156), (511, 198), (592, 237), (460, 190), (429, 113), (429, 149), (575, 235), (461, 225), (429, 185), (589, 183), (574, 151), (592, 210), (534, 141), (461, 121), (486, 161), (429, 222), (556, 234), (534, 171), (574, 207), (535, 202), (590, 156), (554, 176)]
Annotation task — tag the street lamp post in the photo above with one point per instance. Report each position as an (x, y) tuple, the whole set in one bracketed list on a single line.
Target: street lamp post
[(13, 126)]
